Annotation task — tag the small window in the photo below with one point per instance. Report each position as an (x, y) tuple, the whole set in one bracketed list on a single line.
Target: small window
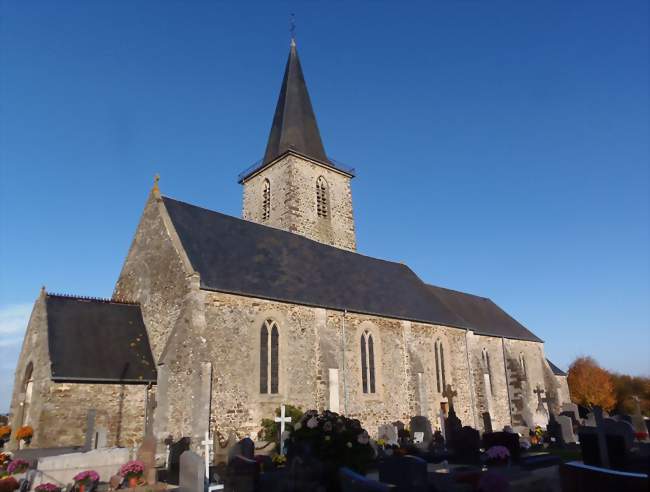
[(266, 200), (269, 357), (322, 202), (367, 363), (487, 369), (522, 363), (441, 381)]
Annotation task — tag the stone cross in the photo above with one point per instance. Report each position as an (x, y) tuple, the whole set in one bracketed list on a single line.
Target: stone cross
[(207, 443), (449, 393), (282, 419)]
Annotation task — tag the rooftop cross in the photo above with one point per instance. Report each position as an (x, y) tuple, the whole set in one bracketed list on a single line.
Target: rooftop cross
[(292, 28)]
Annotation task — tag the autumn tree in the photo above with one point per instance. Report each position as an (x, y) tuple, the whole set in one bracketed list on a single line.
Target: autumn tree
[(626, 387), (590, 385)]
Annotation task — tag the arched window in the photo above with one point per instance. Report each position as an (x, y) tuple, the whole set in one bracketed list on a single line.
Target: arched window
[(522, 363), (27, 389), (269, 357), (266, 200), (367, 362), (441, 382), (487, 368), (322, 204)]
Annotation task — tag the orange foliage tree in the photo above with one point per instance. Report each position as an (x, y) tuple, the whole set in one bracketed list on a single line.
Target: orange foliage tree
[(590, 385)]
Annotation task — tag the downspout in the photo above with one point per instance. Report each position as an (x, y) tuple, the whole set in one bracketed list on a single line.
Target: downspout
[(345, 384), (505, 368), (471, 380)]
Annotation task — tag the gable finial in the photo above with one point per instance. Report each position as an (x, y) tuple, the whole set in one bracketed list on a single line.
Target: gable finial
[(292, 28), (156, 178)]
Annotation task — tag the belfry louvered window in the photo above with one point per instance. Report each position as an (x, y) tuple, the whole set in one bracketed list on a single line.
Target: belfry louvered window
[(367, 363), (266, 200), (440, 366), (322, 205), (269, 357)]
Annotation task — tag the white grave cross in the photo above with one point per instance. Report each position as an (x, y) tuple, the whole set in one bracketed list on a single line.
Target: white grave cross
[(282, 419), (207, 443)]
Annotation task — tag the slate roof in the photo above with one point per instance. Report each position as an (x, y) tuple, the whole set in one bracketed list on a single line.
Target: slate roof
[(294, 122), (94, 340), (556, 370), (482, 315), (241, 257)]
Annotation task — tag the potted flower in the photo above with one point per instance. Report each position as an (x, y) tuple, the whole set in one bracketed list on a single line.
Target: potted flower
[(17, 466), (5, 432), (5, 459), (497, 456), (25, 433), (132, 471), (279, 460), (9, 484), (84, 481), (47, 487)]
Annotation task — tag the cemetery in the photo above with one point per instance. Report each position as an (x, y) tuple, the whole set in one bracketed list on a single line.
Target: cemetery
[(326, 451)]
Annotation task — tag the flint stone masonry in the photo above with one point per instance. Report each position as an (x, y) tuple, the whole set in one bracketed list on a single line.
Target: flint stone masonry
[(293, 201)]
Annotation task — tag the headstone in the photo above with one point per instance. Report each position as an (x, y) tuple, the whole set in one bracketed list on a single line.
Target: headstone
[(334, 390), (90, 429), (207, 444), (147, 454), (573, 408), (638, 422), (508, 440), (175, 452), (101, 438), (192, 473), (487, 422), (554, 430), (420, 424), (566, 425), (466, 445), (388, 433), (590, 421)]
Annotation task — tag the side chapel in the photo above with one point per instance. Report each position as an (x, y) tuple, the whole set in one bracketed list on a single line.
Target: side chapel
[(216, 320)]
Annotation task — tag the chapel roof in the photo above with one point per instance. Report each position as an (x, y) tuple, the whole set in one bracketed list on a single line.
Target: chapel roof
[(237, 256), (98, 340), (556, 370)]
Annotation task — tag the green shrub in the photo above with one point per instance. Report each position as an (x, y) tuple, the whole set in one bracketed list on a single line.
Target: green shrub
[(271, 429)]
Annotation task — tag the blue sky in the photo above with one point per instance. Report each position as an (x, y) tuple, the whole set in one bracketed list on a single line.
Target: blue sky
[(501, 147)]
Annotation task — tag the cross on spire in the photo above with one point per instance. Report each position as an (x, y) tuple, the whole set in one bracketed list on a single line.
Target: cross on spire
[(292, 28)]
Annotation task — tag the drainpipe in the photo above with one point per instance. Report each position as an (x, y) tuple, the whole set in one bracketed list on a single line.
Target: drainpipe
[(345, 379), (505, 368), (471, 380)]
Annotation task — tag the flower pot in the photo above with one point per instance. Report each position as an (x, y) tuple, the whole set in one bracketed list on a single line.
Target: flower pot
[(82, 487), (133, 482)]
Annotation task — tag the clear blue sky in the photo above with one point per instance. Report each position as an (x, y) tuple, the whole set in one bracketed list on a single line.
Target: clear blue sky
[(501, 147)]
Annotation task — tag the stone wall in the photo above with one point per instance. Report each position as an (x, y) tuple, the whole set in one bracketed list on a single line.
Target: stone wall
[(154, 273), (293, 201), (312, 341)]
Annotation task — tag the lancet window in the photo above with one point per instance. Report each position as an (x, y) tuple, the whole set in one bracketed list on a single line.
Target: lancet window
[(269, 357), (367, 362), (441, 381)]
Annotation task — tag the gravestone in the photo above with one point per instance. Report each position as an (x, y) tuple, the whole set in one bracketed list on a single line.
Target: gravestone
[(638, 422), (90, 430), (147, 454), (63, 467), (388, 433), (402, 434), (590, 421), (176, 450), (192, 473), (487, 422), (566, 426), (420, 424), (466, 445), (508, 440), (554, 430), (244, 448), (573, 408)]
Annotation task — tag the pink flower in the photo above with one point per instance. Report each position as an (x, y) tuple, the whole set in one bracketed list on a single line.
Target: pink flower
[(47, 487), (312, 423), (86, 476), (498, 453), (17, 466), (132, 468)]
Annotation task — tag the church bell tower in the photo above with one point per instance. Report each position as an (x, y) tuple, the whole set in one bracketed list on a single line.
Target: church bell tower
[(296, 186)]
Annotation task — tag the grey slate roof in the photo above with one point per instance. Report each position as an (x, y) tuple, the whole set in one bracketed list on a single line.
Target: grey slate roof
[(556, 370), (481, 315), (294, 123), (93, 340), (241, 257)]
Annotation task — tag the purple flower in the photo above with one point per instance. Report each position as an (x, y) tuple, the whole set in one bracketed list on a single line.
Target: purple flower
[(327, 427), (86, 476), (47, 487), (498, 453), (17, 466), (132, 468)]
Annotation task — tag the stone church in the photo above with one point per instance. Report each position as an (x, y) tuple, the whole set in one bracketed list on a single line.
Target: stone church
[(216, 320)]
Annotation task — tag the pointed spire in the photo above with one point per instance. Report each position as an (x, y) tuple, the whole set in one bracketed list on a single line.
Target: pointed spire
[(294, 123)]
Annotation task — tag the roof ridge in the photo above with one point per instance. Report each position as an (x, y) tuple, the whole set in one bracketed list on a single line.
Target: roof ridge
[(92, 298), (459, 292)]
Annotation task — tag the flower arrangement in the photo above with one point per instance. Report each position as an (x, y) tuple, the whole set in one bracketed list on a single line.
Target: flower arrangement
[(333, 439), (9, 484), (381, 443), (497, 455), (17, 466), (279, 460), (5, 432), (25, 433), (47, 487), (86, 477), (132, 469), (5, 459)]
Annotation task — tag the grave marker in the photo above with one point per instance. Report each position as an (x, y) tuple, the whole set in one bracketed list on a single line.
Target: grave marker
[(90, 429), (207, 444), (282, 419)]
